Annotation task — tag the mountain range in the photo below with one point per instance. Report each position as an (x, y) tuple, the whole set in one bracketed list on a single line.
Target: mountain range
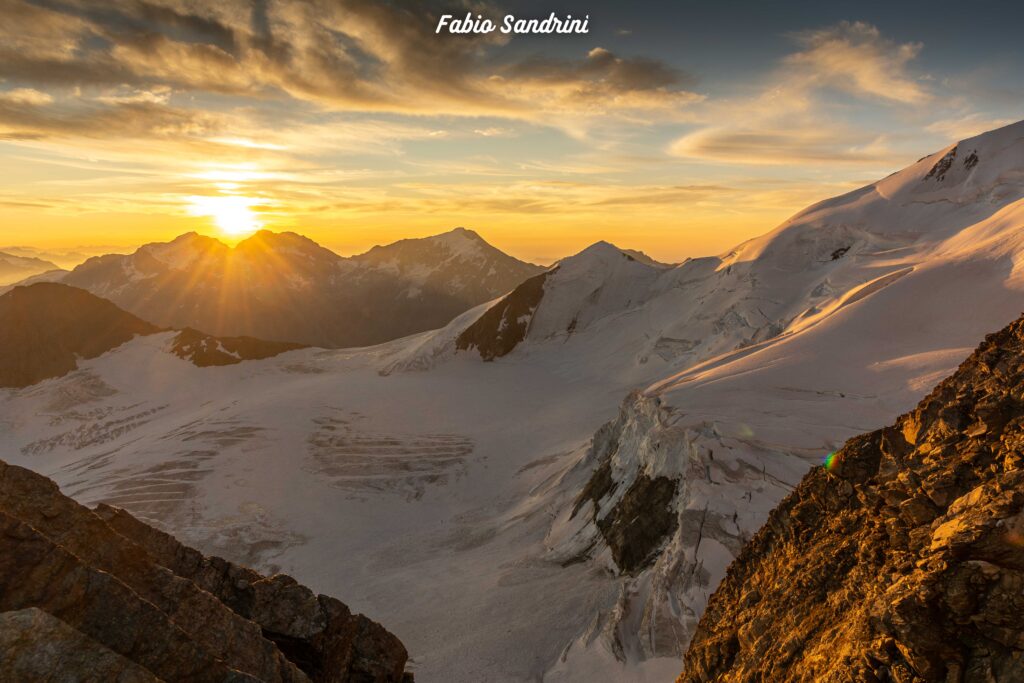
[(14, 268), (285, 287), (583, 453)]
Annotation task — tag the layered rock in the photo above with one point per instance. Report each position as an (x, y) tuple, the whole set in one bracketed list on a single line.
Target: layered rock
[(900, 560), (101, 596)]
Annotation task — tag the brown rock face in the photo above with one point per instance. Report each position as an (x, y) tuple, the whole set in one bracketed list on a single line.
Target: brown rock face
[(315, 631), (35, 646), (902, 561), (97, 593)]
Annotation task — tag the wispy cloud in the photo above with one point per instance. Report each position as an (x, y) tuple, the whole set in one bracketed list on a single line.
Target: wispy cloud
[(794, 117), (855, 57)]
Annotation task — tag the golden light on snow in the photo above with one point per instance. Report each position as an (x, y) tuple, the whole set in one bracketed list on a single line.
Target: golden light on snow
[(232, 214)]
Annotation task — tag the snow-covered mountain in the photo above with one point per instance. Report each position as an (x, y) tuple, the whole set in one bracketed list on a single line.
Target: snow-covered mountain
[(14, 268), (285, 287), (563, 511), (458, 263)]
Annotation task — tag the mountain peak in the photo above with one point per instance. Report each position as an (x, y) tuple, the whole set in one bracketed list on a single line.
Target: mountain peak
[(283, 242), (14, 268), (463, 232), (600, 254), (183, 250)]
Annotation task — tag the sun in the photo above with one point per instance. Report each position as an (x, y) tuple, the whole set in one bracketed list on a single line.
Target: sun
[(233, 215)]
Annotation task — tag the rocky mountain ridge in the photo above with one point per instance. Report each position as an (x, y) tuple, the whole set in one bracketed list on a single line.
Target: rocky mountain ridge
[(901, 559)]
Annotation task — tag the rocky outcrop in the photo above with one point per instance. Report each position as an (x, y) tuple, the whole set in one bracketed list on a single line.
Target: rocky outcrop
[(46, 327), (204, 351), (36, 646), (900, 560), (98, 595), (314, 629), (504, 325)]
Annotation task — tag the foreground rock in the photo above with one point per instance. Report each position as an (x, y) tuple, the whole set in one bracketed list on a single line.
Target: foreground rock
[(98, 595), (901, 560)]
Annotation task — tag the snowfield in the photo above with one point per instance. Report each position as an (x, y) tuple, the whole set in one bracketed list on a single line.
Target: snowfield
[(468, 505)]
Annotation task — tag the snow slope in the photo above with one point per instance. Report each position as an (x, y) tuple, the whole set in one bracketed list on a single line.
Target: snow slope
[(482, 509)]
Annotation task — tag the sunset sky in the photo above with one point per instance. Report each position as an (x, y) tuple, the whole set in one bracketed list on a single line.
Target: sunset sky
[(674, 128)]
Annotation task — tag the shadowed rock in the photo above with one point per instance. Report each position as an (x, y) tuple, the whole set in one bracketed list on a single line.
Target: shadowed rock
[(316, 631), (203, 350), (46, 328), (36, 646), (504, 325)]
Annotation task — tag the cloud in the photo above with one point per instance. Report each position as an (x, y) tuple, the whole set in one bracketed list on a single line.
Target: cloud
[(853, 56), (26, 96), (30, 117), (795, 116), (810, 145), (680, 195), (603, 66), (355, 55)]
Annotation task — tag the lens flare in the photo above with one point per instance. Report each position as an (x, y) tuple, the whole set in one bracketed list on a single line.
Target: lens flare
[(830, 460)]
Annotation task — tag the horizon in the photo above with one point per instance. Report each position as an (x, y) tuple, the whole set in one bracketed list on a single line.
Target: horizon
[(231, 239), (124, 126)]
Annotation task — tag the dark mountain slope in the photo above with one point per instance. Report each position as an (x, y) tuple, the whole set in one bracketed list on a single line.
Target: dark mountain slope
[(45, 327), (901, 560)]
